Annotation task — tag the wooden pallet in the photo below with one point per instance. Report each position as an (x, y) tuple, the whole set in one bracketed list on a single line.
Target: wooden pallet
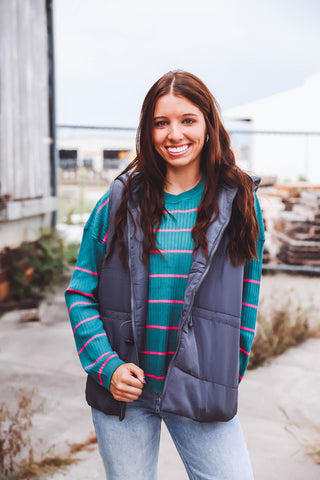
[(298, 252)]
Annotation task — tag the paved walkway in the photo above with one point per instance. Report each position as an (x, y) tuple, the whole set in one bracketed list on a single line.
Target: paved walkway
[(279, 403)]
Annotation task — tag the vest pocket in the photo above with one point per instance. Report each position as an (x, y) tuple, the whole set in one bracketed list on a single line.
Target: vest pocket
[(209, 347), (118, 327)]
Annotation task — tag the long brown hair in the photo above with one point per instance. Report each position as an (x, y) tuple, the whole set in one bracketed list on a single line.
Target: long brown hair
[(147, 174)]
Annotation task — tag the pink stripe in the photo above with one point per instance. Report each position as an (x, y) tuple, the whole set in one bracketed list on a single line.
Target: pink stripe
[(251, 281), (250, 305), (87, 271), (78, 303), (247, 328), (153, 376), (240, 377), (105, 238), (171, 251), (182, 211), (93, 338), (244, 351), (168, 275), (92, 364), (159, 353), (165, 301), (173, 230), (101, 206), (84, 321), (79, 291), (104, 363), (162, 327)]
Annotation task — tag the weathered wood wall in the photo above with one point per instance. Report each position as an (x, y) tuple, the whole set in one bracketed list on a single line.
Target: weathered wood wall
[(24, 112)]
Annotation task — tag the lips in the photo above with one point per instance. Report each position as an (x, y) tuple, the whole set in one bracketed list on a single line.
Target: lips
[(178, 149)]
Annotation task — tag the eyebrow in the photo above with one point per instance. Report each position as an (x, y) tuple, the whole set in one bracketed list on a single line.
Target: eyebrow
[(184, 115)]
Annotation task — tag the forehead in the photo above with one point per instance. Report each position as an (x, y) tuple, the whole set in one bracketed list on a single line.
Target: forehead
[(175, 105)]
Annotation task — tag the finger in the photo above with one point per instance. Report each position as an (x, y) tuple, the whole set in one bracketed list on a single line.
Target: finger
[(137, 371), (132, 381), (131, 397), (126, 397), (127, 390)]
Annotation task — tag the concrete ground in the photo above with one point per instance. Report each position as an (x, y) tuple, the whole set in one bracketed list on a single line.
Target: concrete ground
[(279, 403)]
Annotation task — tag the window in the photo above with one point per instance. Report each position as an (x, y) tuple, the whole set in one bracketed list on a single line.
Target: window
[(68, 159)]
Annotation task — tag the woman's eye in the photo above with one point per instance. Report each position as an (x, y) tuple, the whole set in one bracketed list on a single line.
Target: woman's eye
[(188, 121), (160, 123)]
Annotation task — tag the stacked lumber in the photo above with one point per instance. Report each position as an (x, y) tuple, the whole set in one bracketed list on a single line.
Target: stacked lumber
[(298, 230), (266, 252)]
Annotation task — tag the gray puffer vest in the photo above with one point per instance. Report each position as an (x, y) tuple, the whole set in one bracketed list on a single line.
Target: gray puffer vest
[(202, 379)]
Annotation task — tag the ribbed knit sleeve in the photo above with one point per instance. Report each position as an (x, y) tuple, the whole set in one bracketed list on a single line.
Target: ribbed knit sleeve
[(250, 296), (94, 350)]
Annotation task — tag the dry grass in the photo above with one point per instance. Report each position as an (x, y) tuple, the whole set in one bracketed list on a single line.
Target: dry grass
[(314, 451), (78, 447), (282, 328), (15, 441), (312, 445), (34, 470), (285, 327), (17, 460)]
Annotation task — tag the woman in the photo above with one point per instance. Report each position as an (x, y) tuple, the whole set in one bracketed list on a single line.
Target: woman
[(164, 297)]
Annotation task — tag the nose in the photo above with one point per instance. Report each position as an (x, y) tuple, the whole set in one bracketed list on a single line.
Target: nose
[(175, 132)]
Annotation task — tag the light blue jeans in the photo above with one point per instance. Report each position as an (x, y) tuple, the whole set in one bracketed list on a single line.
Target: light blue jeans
[(209, 451)]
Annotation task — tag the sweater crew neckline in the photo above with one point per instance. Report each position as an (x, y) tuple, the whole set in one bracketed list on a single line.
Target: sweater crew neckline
[(172, 198)]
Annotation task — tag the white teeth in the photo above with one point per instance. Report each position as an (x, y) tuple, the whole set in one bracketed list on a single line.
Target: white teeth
[(178, 149)]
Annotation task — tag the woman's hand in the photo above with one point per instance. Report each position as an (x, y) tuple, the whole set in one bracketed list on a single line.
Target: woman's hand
[(124, 386)]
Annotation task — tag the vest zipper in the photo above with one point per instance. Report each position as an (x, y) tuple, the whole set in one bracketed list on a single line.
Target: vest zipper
[(188, 316), (131, 300), (157, 400)]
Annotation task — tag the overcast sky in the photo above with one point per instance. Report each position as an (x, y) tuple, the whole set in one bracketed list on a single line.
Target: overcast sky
[(110, 52)]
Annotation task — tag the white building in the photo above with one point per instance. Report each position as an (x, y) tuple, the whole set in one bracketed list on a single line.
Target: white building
[(96, 148), (284, 137)]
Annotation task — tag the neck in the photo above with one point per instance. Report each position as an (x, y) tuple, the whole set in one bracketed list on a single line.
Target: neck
[(179, 182)]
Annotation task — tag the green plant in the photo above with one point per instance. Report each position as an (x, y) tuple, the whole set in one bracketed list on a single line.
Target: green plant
[(283, 328), (35, 265), (71, 253), (302, 178), (69, 214)]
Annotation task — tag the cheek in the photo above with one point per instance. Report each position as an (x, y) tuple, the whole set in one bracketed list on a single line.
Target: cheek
[(153, 136), (157, 139), (201, 137), (198, 134)]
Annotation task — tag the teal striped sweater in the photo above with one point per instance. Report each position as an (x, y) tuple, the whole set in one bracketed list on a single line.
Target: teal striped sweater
[(168, 276)]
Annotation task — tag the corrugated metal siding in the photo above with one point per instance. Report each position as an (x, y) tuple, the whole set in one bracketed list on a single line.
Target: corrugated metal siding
[(24, 109)]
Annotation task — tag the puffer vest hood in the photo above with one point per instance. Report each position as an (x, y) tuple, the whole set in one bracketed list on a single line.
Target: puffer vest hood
[(202, 378)]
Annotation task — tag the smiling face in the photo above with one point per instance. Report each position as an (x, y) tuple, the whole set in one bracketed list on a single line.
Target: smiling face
[(178, 133)]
